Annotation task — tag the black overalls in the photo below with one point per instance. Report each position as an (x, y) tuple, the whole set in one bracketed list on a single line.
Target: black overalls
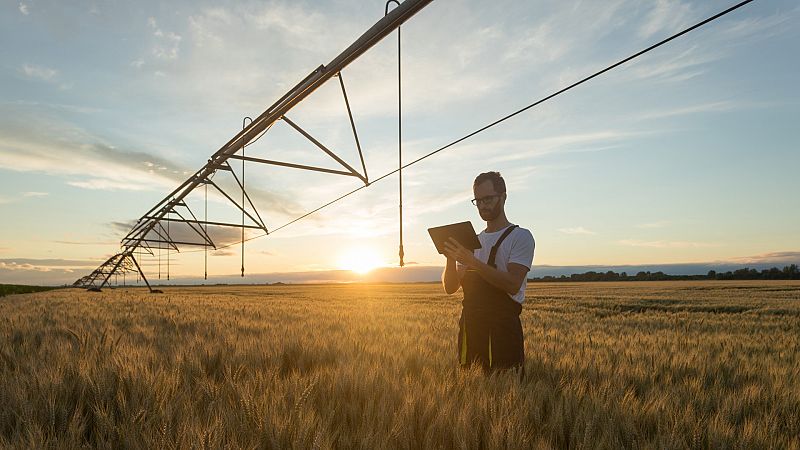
[(490, 332)]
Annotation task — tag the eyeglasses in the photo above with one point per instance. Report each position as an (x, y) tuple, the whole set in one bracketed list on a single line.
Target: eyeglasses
[(489, 199)]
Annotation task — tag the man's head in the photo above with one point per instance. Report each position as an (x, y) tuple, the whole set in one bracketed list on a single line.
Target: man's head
[(490, 195)]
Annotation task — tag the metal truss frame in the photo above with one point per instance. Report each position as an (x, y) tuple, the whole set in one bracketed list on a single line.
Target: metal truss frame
[(152, 228), (121, 263)]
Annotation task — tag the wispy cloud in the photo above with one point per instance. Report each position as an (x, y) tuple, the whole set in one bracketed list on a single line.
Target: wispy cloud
[(89, 162), (23, 8), (674, 67), (667, 16), (167, 44), (9, 199), (217, 33), (659, 224), (44, 74), (181, 232), (44, 264), (682, 62), (85, 242), (788, 257), (41, 73), (43, 271), (71, 151), (703, 108), (666, 244), (760, 27), (52, 107), (576, 230), (108, 184), (512, 150)]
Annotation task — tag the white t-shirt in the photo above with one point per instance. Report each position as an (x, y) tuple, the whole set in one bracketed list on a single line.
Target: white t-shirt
[(517, 248)]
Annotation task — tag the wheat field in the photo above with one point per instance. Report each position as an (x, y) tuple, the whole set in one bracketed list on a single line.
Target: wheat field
[(608, 365)]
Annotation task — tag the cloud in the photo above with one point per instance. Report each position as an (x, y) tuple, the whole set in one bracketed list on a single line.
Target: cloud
[(682, 61), (659, 224), (39, 72), (675, 67), (7, 200), (516, 149), (167, 44), (106, 184), (70, 151), (43, 271), (54, 107), (759, 27), (542, 40), (666, 244), (90, 162), (85, 242), (23, 8), (44, 264), (722, 106), (576, 230), (295, 38), (668, 16), (787, 257), (221, 236), (41, 275)]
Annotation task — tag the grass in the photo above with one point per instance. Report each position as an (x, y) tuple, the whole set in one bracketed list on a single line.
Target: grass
[(609, 365)]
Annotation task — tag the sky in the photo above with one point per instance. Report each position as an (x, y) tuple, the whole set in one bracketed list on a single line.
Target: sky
[(686, 155)]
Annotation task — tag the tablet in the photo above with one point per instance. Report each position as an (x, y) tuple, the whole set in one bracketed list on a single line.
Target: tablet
[(462, 232)]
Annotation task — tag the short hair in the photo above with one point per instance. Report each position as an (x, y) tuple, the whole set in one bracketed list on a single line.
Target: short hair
[(497, 180)]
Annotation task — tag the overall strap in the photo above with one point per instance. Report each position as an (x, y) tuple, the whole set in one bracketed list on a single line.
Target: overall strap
[(493, 253)]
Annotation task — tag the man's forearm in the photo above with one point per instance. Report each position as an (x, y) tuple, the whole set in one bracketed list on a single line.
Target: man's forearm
[(450, 279), (501, 280)]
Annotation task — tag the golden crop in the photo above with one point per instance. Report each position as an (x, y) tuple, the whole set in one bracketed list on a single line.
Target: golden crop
[(609, 365)]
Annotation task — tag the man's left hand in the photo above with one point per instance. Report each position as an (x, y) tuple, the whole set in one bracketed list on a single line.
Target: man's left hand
[(453, 249)]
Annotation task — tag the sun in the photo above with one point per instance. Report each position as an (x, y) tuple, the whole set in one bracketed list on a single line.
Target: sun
[(360, 260)]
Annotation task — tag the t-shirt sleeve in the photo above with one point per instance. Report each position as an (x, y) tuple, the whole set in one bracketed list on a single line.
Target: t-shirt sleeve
[(522, 249)]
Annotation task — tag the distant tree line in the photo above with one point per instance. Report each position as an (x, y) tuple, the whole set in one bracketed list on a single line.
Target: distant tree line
[(9, 289), (790, 272)]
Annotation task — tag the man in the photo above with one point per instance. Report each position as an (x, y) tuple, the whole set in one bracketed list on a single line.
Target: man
[(493, 279)]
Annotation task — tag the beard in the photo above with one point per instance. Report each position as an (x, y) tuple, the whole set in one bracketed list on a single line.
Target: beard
[(491, 213)]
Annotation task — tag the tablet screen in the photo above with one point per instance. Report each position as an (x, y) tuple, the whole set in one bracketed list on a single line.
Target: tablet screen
[(463, 232)]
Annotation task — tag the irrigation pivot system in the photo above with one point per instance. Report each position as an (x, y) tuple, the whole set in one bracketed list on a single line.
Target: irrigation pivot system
[(153, 228), (151, 231)]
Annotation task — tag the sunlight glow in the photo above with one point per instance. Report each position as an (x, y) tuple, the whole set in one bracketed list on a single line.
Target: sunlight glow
[(360, 260)]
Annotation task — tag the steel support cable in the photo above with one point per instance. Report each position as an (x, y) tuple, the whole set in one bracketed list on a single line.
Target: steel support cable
[(259, 136), (244, 205), (170, 238), (353, 126), (399, 133), (205, 256), (509, 116), (400, 142)]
